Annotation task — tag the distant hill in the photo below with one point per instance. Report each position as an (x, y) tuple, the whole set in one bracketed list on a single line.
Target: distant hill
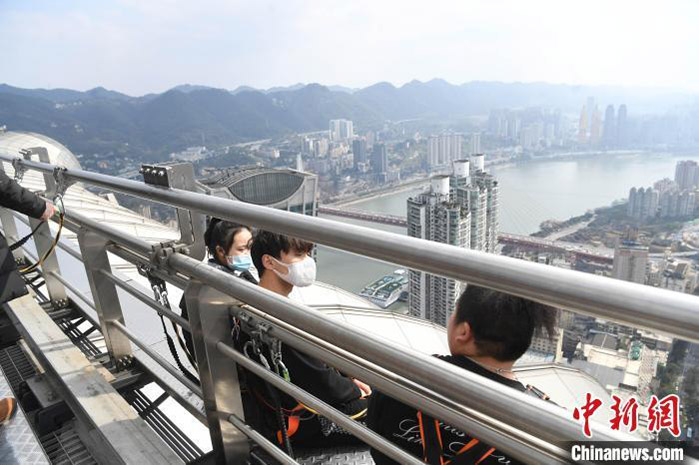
[(156, 124), (64, 95)]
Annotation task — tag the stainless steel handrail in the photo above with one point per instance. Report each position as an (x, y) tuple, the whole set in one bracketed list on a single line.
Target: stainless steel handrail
[(158, 358), (615, 300), (359, 430), (491, 404), (491, 400), (148, 300)]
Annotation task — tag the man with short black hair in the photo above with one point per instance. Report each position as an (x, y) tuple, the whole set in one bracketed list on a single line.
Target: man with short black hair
[(282, 263), (487, 333)]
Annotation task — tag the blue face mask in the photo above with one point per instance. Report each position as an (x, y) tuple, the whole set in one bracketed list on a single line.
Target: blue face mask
[(239, 262)]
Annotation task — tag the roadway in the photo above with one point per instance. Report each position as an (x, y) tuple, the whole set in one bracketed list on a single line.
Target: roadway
[(602, 254)]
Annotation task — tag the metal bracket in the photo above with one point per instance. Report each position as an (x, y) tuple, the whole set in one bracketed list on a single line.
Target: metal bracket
[(124, 362), (191, 223), (19, 168), (62, 181), (260, 333), (60, 303), (163, 250), (157, 285)]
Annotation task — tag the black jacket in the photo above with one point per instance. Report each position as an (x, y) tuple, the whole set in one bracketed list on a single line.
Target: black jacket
[(313, 376), (189, 342), (399, 424), (14, 197)]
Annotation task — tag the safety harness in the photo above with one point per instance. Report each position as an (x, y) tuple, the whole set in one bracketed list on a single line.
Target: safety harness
[(472, 453), (161, 296)]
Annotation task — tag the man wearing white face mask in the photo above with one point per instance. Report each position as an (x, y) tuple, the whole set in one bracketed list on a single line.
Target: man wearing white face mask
[(282, 263)]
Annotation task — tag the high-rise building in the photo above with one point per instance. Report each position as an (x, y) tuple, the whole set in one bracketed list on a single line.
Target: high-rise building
[(583, 126), (514, 125), (687, 174), (433, 216), (643, 203), (379, 159), (665, 185), (461, 210), (622, 128), (359, 150), (443, 149), (497, 123), (488, 187), (478, 191), (609, 136), (475, 144), (320, 147), (675, 203), (341, 129), (595, 127), (307, 145), (630, 261), (549, 346), (591, 105)]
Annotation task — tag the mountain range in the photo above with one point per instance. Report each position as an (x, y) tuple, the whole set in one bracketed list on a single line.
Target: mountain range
[(153, 125)]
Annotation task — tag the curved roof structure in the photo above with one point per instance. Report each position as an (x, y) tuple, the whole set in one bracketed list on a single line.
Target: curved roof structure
[(258, 185), (14, 141)]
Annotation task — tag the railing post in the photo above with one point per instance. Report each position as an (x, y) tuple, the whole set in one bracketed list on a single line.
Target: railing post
[(210, 320), (191, 223), (93, 249), (43, 238)]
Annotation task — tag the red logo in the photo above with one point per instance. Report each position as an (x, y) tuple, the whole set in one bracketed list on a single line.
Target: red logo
[(664, 414), (587, 411)]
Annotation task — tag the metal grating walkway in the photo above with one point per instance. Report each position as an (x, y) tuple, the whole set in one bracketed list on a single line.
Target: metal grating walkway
[(183, 446), (16, 366), (64, 447), (18, 445)]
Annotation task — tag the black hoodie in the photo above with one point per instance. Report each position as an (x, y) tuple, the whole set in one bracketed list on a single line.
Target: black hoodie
[(399, 424)]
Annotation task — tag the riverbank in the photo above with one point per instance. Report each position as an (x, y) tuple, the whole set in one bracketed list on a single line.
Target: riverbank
[(380, 192), (499, 163)]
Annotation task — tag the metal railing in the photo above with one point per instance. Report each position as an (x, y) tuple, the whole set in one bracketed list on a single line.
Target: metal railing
[(486, 409)]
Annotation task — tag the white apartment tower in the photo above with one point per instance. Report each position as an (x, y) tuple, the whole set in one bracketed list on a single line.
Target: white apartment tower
[(433, 216), (341, 129), (460, 210), (443, 149)]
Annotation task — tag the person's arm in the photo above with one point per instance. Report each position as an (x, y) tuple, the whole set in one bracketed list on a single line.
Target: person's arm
[(318, 378), (376, 422), (16, 197)]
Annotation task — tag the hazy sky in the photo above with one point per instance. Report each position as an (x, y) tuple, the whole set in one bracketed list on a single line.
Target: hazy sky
[(141, 46)]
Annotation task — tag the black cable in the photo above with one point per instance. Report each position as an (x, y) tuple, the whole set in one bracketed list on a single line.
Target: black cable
[(274, 396), (183, 346), (175, 355), (280, 419), (24, 240)]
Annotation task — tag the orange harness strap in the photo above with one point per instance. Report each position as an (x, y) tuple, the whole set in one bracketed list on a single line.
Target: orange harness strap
[(473, 452), (294, 422)]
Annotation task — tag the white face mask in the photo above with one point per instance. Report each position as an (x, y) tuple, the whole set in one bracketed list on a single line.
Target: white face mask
[(301, 274)]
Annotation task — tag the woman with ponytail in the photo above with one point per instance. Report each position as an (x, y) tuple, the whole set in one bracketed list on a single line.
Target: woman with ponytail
[(228, 244)]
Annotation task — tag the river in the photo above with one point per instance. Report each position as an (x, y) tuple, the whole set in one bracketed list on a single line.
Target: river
[(529, 194)]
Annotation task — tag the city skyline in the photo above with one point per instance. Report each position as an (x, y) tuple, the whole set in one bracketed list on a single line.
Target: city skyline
[(138, 48)]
